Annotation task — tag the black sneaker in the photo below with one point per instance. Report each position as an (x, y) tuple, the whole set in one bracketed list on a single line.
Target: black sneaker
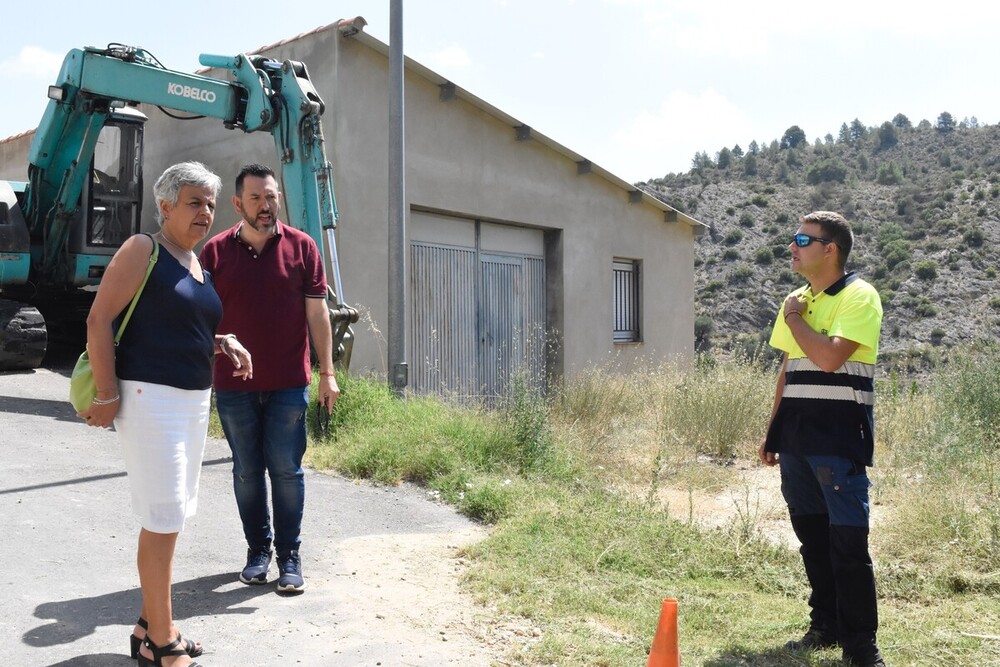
[(290, 580), (255, 572), (814, 640)]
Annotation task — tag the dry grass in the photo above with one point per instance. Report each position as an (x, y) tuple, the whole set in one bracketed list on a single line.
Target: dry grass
[(666, 422)]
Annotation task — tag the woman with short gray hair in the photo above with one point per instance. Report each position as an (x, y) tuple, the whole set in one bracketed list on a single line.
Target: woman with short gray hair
[(155, 386)]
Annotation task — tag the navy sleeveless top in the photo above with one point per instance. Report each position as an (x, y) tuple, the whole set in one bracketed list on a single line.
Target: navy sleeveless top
[(170, 338)]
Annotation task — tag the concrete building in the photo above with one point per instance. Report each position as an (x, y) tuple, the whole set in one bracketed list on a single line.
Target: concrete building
[(522, 253)]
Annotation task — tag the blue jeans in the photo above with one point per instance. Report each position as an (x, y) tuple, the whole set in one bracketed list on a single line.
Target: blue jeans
[(827, 499), (266, 431)]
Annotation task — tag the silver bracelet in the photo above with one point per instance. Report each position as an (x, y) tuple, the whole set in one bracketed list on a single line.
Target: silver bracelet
[(222, 343), (109, 401)]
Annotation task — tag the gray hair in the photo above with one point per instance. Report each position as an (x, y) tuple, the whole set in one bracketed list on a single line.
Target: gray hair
[(168, 186)]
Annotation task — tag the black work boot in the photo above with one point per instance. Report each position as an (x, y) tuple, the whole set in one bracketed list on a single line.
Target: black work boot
[(814, 640), (867, 659), (861, 650)]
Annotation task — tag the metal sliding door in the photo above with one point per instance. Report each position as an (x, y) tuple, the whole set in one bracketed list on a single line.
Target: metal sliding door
[(477, 307), (444, 353), (512, 317)]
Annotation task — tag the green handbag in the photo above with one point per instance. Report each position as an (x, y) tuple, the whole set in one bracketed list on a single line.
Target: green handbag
[(82, 386)]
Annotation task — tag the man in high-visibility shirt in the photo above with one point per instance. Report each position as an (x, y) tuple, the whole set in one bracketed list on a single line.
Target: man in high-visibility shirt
[(821, 434)]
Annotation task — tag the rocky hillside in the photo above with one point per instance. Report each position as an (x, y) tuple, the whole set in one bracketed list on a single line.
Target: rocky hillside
[(924, 202)]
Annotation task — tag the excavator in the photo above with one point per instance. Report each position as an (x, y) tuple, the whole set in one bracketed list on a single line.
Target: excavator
[(83, 194)]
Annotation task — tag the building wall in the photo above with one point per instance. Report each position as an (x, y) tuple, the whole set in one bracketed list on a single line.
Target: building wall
[(14, 157), (463, 161)]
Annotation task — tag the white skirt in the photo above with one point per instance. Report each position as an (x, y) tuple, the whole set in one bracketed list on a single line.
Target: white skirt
[(162, 431)]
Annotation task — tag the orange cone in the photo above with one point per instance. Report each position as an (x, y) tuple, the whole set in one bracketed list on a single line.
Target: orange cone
[(664, 652)]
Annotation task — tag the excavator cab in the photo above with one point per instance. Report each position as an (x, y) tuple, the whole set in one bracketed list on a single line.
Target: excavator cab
[(111, 201), (108, 213)]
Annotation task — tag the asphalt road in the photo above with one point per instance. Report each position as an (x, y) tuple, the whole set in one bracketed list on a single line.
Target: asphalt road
[(69, 593)]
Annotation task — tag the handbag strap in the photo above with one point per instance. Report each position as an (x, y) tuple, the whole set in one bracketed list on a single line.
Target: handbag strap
[(135, 299)]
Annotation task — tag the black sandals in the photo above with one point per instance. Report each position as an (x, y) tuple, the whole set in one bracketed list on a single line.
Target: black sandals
[(175, 647), (190, 647)]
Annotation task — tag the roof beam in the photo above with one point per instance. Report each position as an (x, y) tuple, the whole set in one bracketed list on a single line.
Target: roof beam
[(447, 93)]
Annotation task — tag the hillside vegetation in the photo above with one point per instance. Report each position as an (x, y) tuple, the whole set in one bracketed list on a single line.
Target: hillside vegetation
[(924, 202)]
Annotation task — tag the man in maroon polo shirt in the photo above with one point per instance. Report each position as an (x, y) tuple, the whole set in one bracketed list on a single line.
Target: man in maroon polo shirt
[(273, 289)]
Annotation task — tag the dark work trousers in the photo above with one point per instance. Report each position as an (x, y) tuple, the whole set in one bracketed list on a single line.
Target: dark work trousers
[(827, 499)]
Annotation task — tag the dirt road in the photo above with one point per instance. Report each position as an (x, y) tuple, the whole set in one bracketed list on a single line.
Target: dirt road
[(381, 564)]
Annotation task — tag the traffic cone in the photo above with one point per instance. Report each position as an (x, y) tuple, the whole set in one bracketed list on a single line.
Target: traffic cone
[(664, 652)]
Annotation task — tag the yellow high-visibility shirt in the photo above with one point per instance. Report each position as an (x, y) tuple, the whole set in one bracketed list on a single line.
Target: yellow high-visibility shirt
[(850, 309)]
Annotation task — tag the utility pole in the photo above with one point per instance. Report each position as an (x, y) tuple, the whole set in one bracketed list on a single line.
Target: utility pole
[(398, 373)]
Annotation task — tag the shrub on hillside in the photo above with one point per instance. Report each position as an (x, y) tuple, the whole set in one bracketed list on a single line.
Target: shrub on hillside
[(889, 173), (826, 171), (926, 270), (973, 238), (703, 332), (764, 256), (740, 274), (896, 252)]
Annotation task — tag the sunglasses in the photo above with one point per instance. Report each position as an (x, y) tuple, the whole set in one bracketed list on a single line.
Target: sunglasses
[(802, 240)]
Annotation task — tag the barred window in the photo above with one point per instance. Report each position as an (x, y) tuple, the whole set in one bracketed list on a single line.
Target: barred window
[(627, 303)]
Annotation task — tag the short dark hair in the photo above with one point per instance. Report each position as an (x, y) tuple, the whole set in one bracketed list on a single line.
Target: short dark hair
[(257, 170), (836, 228)]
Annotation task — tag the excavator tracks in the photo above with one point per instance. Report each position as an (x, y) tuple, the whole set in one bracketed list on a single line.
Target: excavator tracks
[(23, 339)]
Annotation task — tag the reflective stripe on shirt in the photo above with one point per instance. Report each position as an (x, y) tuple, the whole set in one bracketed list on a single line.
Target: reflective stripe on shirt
[(858, 368), (829, 393), (854, 381)]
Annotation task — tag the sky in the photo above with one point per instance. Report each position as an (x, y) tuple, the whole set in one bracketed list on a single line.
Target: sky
[(636, 86)]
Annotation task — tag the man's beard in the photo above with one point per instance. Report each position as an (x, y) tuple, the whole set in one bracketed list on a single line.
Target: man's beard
[(256, 223)]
